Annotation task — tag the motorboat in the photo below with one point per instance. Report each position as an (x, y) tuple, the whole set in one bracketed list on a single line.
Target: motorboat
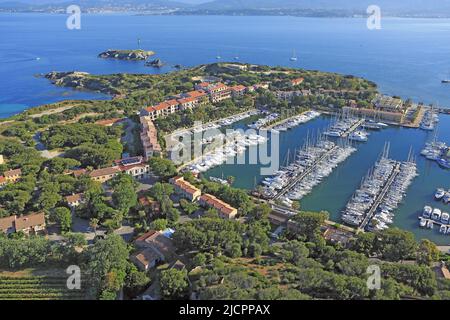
[(436, 214), (422, 223), (440, 193), (427, 210)]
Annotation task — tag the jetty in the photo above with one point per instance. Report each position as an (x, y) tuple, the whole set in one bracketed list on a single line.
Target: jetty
[(301, 176), (355, 126), (380, 198)]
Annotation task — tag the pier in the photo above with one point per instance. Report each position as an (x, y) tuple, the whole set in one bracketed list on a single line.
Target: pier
[(444, 110), (380, 197), (355, 126), (304, 174)]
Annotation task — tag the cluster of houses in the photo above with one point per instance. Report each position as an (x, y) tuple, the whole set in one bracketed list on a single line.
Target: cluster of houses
[(137, 167), (192, 193), (204, 93), (10, 176), (28, 224)]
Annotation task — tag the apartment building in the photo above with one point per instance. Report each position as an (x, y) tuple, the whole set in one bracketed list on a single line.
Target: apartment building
[(225, 210), (185, 189), (149, 138)]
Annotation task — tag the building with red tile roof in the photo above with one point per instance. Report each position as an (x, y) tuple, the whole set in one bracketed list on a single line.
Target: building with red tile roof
[(186, 189), (238, 91), (75, 200), (149, 138), (29, 224), (12, 175), (105, 174), (225, 210), (296, 82)]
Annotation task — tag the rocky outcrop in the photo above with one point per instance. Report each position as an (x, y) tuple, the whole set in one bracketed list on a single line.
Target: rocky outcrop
[(157, 63), (67, 79), (134, 55)]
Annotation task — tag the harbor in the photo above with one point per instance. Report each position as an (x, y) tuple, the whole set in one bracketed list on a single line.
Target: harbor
[(332, 193)]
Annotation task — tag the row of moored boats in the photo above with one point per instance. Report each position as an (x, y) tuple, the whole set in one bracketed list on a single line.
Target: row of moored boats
[(380, 194), (297, 120), (236, 144)]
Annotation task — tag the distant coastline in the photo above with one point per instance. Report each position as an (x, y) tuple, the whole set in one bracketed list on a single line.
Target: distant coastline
[(303, 13)]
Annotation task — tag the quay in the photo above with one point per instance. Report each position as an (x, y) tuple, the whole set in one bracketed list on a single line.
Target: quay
[(380, 198), (303, 174)]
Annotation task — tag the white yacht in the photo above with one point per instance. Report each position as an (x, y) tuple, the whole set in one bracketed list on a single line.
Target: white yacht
[(436, 214), (440, 193), (445, 217), (423, 222), (427, 210)]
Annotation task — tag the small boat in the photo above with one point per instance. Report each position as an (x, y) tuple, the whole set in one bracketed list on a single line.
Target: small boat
[(430, 224), (445, 217), (294, 56), (447, 197), (443, 229), (436, 214), (440, 193), (444, 163), (422, 223), (445, 81), (427, 212)]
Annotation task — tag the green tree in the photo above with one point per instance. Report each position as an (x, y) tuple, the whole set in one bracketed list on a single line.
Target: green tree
[(107, 262), (174, 284), (63, 217), (159, 224), (427, 253)]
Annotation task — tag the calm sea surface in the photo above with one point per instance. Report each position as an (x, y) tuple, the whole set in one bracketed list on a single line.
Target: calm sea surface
[(408, 57)]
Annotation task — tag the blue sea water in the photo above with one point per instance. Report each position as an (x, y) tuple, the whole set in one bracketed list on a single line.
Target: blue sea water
[(407, 57)]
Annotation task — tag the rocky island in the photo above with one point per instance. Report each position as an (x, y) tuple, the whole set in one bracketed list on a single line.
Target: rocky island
[(134, 55)]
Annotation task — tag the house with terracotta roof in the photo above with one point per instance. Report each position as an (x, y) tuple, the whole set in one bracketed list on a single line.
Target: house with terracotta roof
[(75, 200), (225, 210), (79, 172), (238, 91), (7, 225), (157, 241), (185, 189), (3, 181), (147, 259), (12, 175), (29, 224), (296, 82), (104, 175)]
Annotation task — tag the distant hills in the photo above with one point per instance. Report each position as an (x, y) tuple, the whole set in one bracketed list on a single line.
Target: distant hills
[(242, 7)]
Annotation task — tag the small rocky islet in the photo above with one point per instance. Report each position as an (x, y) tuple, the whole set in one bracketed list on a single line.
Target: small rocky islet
[(133, 55)]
